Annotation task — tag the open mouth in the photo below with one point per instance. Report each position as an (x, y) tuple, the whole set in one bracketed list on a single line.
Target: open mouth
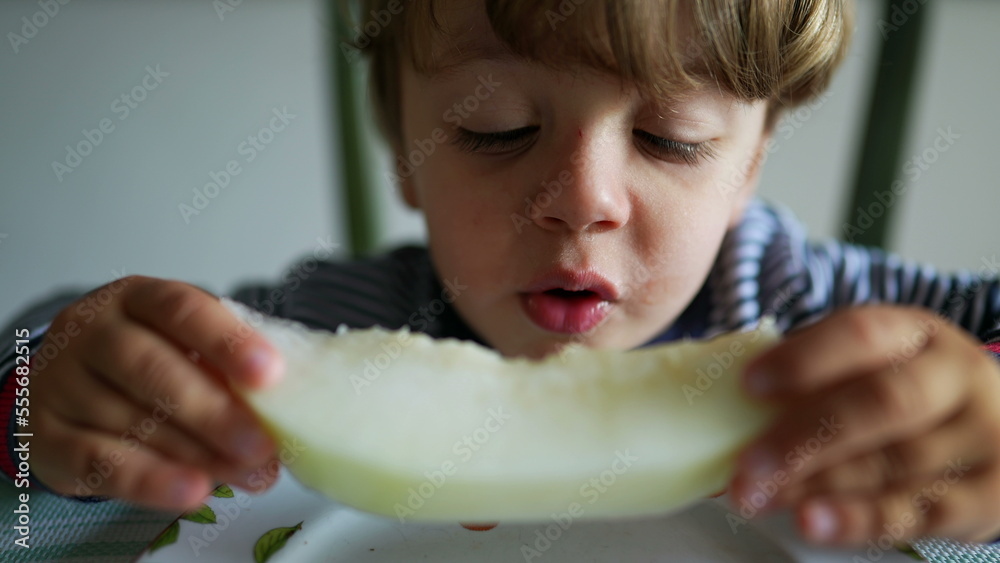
[(569, 303), (568, 294)]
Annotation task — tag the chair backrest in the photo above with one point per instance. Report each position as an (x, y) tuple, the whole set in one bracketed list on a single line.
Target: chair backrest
[(885, 133), (356, 158)]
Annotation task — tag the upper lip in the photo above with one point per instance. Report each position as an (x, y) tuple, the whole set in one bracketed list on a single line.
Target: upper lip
[(575, 280)]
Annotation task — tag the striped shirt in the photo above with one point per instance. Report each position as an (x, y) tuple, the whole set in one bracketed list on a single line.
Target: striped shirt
[(765, 267)]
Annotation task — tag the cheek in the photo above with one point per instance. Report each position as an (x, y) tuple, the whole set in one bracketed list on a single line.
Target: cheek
[(453, 203), (681, 242), (687, 212), (468, 227), (467, 201), (700, 233)]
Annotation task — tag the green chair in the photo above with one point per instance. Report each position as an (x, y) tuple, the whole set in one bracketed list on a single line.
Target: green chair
[(902, 29)]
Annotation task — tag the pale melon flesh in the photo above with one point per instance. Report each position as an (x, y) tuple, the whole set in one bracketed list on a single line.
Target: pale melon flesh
[(399, 424)]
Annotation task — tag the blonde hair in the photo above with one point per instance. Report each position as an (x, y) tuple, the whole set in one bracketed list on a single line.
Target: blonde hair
[(782, 51)]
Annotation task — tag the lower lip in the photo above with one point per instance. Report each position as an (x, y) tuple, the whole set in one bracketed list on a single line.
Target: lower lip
[(565, 315)]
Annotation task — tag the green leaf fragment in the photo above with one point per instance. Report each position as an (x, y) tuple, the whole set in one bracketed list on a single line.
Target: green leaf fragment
[(204, 515), (223, 491), (908, 550), (272, 541), (167, 537)]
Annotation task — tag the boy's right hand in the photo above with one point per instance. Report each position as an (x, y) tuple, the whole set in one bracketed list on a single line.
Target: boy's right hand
[(136, 404)]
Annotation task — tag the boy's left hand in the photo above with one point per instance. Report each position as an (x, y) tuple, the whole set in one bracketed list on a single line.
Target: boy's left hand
[(888, 424)]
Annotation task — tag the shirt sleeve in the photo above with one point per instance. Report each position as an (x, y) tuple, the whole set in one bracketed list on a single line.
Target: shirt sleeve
[(799, 282), (768, 267), (842, 275)]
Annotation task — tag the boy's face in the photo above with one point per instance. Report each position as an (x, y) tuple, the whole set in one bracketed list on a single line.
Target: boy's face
[(572, 209)]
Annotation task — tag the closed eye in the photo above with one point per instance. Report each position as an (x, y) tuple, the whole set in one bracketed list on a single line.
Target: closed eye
[(500, 142), (675, 151)]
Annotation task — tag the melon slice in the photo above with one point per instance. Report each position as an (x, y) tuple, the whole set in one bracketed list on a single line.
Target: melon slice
[(399, 424)]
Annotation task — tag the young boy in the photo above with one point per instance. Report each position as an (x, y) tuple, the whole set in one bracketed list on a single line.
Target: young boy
[(586, 169)]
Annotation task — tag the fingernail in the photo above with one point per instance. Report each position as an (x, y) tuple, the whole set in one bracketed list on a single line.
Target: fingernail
[(250, 445), (267, 364), (250, 480), (182, 489), (821, 522), (759, 382), (758, 463)]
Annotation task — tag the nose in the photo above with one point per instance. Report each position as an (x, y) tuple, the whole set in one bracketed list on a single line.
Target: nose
[(585, 192)]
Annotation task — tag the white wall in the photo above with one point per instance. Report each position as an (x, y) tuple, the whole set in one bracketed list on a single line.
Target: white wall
[(948, 216), (118, 211)]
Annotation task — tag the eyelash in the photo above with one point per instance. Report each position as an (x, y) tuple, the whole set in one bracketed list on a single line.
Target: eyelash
[(507, 141), (687, 153), (493, 143)]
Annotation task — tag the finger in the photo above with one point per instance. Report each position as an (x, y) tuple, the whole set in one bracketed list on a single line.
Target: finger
[(157, 376), (106, 410), (815, 357), (261, 477), (855, 418), (950, 506), (908, 462), (91, 463), (198, 321)]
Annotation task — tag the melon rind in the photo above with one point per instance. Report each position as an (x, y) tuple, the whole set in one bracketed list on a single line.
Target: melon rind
[(399, 424)]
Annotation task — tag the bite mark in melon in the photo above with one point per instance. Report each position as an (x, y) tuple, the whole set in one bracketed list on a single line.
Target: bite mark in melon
[(399, 424)]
